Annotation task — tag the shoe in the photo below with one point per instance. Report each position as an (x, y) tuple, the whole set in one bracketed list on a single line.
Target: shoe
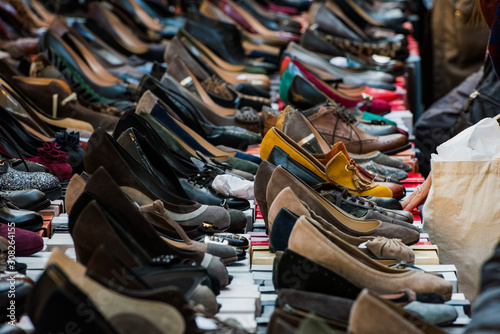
[(86, 83), (384, 171), (102, 150), (176, 144), (221, 43), (370, 224), (397, 319), (244, 117), (250, 80), (175, 103), (31, 199), (279, 157), (194, 186), (330, 73), (193, 139), (365, 102), (31, 115), (212, 90), (338, 169), (128, 232), (332, 252), (27, 220), (64, 284), (41, 92), (106, 25), (384, 250), (185, 161), (11, 179), (397, 190), (54, 159), (175, 291), (334, 193), (254, 26), (27, 242), (226, 253)]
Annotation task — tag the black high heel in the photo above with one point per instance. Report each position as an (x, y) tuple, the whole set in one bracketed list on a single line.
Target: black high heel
[(182, 107)]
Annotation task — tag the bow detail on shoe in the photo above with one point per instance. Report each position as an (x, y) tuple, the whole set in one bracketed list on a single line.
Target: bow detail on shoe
[(68, 141), (50, 153)]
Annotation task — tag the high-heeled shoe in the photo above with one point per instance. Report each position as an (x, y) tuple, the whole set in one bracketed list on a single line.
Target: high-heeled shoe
[(29, 114), (243, 117), (371, 223), (193, 139), (127, 172), (179, 103), (252, 25), (64, 284), (213, 91), (42, 91), (100, 20), (195, 187), (224, 162), (250, 81), (90, 87), (128, 227), (194, 32), (269, 19)]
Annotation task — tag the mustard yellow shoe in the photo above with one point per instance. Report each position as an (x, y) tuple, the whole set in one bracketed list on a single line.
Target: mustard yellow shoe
[(337, 169)]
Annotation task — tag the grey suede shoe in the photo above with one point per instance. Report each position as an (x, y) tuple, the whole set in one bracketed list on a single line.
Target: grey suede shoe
[(384, 171), (381, 159)]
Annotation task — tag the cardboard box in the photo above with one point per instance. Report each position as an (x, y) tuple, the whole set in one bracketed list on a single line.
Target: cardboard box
[(426, 254)]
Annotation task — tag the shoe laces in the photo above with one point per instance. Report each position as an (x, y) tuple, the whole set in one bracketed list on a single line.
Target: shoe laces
[(344, 116)]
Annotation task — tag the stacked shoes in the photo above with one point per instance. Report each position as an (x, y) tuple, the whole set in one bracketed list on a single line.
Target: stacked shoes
[(147, 108)]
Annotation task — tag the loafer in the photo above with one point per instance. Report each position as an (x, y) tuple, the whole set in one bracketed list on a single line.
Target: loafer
[(337, 170)]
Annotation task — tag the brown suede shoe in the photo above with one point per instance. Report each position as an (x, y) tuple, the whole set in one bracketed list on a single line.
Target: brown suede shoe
[(310, 240), (371, 314), (42, 91)]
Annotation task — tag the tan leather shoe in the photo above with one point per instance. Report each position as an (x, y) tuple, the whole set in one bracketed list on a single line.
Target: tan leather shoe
[(335, 127), (310, 240), (371, 314)]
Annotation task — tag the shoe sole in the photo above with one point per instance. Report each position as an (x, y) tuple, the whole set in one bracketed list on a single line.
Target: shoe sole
[(397, 150), (40, 206), (53, 193)]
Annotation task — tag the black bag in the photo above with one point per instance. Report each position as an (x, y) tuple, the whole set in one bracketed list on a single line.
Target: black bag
[(435, 125), (484, 101)]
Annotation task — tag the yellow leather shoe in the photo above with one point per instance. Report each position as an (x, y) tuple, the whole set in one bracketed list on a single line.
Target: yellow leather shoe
[(338, 169)]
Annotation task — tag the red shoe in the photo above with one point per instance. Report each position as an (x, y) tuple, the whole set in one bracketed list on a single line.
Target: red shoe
[(55, 160)]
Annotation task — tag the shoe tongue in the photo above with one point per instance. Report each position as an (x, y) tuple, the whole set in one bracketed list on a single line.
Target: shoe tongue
[(336, 148)]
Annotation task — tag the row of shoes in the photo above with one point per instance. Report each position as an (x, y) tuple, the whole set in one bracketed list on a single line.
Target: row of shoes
[(166, 104), (341, 257)]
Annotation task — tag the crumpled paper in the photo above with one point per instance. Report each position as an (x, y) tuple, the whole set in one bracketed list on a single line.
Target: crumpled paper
[(480, 142), (232, 186)]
